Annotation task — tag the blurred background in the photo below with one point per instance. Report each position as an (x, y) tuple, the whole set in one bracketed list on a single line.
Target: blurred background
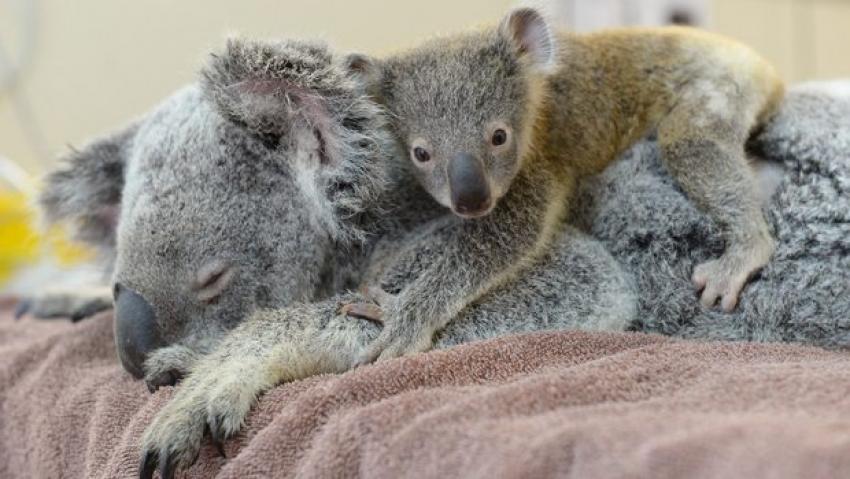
[(73, 69)]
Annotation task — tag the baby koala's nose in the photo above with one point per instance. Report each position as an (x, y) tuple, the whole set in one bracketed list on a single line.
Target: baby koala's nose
[(136, 331), (470, 190)]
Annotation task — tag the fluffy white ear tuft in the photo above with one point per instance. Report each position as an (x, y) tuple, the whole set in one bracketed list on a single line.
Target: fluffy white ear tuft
[(527, 28)]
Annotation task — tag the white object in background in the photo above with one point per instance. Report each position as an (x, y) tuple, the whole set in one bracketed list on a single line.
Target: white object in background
[(588, 15), (592, 15), (665, 12), (16, 57), (12, 63), (14, 176)]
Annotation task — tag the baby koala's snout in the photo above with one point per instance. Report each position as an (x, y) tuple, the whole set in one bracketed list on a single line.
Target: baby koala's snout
[(470, 189), (136, 330)]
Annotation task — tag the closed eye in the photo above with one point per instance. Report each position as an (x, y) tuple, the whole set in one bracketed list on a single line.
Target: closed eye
[(212, 279)]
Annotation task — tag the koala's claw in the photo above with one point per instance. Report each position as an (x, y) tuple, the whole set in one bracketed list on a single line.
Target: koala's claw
[(172, 442), (76, 306), (147, 465), (217, 435), (164, 378), (89, 309), (167, 366), (23, 308)]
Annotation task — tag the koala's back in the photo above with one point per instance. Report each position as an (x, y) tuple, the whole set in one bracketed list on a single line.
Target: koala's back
[(637, 76)]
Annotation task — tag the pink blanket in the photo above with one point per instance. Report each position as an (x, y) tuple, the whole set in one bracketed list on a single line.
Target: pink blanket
[(565, 404)]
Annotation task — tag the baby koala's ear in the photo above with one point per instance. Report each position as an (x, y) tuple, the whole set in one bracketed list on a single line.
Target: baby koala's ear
[(530, 32), (365, 71)]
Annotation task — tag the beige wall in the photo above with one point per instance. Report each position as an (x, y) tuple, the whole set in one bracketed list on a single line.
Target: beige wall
[(100, 62), (805, 39)]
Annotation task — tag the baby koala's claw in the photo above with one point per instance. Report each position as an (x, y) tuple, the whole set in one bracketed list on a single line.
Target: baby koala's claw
[(368, 311), (716, 283), (723, 279)]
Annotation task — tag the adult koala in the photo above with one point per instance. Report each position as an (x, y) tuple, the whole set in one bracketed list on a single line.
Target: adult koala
[(203, 220), (260, 197)]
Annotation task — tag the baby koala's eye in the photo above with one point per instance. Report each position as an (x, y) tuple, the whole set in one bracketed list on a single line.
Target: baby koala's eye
[(421, 154), (500, 137)]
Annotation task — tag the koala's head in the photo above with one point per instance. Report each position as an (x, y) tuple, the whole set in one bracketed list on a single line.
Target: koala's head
[(464, 107), (230, 196)]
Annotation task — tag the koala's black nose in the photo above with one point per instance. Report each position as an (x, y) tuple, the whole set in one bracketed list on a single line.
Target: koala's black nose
[(136, 332), (470, 190)]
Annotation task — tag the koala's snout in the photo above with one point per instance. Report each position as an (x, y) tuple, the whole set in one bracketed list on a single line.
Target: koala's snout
[(470, 188), (136, 331)]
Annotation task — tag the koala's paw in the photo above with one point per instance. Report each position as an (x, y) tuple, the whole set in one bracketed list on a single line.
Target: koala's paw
[(167, 366), (723, 278), (207, 401), (73, 305)]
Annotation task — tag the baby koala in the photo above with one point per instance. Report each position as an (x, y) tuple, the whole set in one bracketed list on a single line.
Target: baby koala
[(501, 123)]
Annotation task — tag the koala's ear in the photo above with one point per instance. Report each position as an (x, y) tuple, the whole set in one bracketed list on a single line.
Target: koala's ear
[(275, 89), (529, 31), (302, 99), (85, 190)]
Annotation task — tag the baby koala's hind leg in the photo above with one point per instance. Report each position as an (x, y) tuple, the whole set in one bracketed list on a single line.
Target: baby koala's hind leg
[(704, 151)]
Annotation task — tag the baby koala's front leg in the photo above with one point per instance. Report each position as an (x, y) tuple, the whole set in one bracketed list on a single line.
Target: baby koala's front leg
[(462, 260)]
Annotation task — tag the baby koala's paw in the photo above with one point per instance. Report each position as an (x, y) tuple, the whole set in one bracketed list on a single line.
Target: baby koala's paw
[(75, 305), (208, 400), (723, 278), (397, 342), (400, 336), (167, 366)]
